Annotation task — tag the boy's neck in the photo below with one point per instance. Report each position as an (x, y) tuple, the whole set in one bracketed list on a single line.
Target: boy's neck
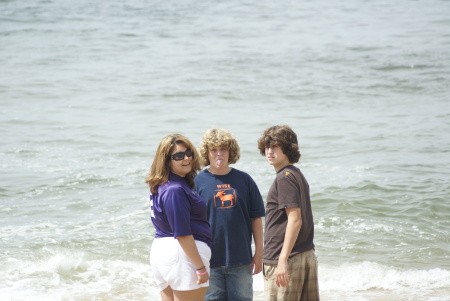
[(281, 166)]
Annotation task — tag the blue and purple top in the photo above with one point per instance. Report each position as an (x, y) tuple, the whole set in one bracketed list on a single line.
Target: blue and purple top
[(177, 210)]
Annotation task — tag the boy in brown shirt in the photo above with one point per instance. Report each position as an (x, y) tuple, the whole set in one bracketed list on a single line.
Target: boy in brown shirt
[(290, 263)]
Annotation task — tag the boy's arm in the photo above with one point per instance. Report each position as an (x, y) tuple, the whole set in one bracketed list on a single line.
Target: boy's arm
[(257, 230), (292, 229)]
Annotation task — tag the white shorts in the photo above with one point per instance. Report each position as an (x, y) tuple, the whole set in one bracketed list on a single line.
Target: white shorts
[(172, 267)]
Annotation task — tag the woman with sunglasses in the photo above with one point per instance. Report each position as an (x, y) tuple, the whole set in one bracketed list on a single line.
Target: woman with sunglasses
[(181, 248)]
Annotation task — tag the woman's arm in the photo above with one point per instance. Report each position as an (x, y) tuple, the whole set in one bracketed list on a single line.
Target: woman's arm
[(188, 245)]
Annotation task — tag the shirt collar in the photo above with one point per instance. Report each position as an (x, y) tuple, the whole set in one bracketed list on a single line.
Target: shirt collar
[(177, 178)]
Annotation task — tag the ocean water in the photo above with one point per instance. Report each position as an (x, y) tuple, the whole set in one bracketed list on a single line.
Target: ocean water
[(89, 88)]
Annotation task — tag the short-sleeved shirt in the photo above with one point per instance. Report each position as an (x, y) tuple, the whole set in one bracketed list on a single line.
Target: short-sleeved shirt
[(177, 210), (232, 201), (289, 189)]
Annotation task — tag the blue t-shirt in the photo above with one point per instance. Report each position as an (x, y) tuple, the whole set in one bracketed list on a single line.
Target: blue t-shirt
[(177, 210), (232, 201)]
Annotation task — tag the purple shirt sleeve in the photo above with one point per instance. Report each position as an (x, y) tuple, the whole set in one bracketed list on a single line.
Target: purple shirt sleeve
[(177, 207)]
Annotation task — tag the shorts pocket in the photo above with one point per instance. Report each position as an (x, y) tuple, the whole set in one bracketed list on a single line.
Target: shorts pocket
[(268, 271)]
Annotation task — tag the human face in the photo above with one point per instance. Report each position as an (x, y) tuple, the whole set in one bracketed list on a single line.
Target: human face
[(182, 167), (218, 158), (276, 157)]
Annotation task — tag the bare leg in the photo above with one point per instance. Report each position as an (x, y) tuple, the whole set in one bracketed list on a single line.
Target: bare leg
[(167, 294), (194, 295)]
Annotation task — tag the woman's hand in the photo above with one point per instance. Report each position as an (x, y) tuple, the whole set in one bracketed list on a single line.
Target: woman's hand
[(202, 276)]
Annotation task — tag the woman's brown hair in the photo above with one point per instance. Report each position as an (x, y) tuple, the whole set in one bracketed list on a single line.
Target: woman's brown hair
[(160, 169)]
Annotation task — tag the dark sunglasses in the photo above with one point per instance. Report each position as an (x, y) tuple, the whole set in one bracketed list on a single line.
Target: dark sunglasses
[(180, 156)]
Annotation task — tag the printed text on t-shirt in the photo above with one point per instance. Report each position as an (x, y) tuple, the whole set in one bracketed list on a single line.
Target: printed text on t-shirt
[(222, 186)]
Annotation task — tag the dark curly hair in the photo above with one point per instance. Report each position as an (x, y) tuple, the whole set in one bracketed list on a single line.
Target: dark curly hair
[(282, 136)]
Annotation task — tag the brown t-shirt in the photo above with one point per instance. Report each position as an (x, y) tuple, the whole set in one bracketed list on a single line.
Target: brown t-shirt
[(289, 189)]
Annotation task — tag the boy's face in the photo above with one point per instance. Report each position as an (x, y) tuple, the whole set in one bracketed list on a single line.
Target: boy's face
[(276, 157), (218, 157)]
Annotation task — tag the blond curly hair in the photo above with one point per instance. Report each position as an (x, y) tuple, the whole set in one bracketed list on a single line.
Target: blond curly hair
[(219, 138)]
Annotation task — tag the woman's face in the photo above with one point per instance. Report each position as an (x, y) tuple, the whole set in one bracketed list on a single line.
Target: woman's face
[(178, 166)]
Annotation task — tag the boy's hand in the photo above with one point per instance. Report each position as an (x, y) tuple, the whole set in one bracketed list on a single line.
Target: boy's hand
[(281, 274)]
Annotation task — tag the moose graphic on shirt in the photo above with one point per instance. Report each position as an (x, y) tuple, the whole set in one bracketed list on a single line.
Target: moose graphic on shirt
[(225, 198)]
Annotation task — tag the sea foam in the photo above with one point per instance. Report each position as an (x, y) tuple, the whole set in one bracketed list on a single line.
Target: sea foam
[(370, 275)]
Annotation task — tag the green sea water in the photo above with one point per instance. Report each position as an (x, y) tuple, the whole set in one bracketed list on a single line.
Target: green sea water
[(89, 88)]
